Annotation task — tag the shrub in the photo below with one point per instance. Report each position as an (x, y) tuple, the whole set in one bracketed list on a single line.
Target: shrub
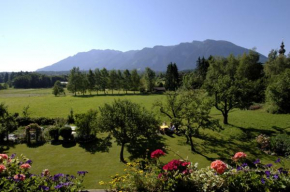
[(280, 144), (65, 132), (54, 133), (23, 121), (15, 176)]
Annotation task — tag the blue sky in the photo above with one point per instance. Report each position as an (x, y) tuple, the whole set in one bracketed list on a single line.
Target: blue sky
[(37, 33)]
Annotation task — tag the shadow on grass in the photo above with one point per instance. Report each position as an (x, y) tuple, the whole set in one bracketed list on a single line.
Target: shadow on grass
[(35, 144), (143, 147), (98, 145), (5, 146)]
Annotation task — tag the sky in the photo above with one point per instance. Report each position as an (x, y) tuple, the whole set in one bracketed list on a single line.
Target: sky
[(38, 33)]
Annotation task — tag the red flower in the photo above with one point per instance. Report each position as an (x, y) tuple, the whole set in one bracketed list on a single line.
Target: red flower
[(219, 166), (239, 155), (20, 177), (2, 168), (157, 153), (176, 164), (25, 166), (3, 156)]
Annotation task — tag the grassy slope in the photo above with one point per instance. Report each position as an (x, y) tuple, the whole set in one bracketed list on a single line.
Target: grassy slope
[(104, 162)]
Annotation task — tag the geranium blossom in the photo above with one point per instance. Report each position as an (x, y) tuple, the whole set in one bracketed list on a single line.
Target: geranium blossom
[(19, 177), (239, 155), (157, 153), (2, 168), (25, 166), (219, 166), (3, 156), (176, 164)]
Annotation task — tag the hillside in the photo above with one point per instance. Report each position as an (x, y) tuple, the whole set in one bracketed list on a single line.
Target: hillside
[(157, 58)]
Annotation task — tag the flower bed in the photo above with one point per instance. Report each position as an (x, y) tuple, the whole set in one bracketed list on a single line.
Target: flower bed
[(181, 175), (15, 176)]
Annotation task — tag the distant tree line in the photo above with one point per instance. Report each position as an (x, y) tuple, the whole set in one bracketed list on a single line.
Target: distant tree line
[(102, 80), (30, 79)]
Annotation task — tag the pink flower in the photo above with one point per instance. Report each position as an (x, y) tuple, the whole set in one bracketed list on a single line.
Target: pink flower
[(157, 153), (239, 155), (219, 166), (2, 168), (3, 156), (25, 166), (20, 177)]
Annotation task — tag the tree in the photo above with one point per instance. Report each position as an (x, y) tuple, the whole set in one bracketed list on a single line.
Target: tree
[(127, 121), (135, 79), (276, 66), (119, 80), (57, 88), (278, 93), (127, 83), (86, 123), (112, 80), (83, 83), (149, 77), (74, 80), (98, 80), (7, 122), (91, 81), (228, 91), (195, 114), (65, 132), (172, 107), (104, 79), (171, 77)]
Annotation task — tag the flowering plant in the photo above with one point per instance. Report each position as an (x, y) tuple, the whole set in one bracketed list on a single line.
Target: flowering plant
[(15, 176), (180, 175)]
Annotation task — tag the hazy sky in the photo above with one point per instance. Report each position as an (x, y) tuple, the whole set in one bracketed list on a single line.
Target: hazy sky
[(37, 33)]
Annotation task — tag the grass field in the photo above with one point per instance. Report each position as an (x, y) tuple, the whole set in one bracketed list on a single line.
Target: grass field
[(102, 161)]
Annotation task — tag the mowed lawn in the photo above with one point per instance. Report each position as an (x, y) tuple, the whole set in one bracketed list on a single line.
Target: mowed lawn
[(102, 159)]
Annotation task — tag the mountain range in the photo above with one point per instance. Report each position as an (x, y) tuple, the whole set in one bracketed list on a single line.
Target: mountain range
[(157, 58)]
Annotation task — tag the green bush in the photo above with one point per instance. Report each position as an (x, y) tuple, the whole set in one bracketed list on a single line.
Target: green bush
[(65, 132), (281, 144), (54, 133)]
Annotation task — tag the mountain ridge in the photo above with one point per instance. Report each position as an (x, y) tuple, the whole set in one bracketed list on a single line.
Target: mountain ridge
[(157, 58)]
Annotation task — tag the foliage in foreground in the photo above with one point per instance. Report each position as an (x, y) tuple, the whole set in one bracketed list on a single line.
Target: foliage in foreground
[(15, 176), (181, 175)]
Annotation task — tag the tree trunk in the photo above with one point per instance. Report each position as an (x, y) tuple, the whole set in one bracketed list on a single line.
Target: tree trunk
[(191, 143), (225, 114), (122, 153)]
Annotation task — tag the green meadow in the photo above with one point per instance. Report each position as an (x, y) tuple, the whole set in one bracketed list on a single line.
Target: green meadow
[(101, 159)]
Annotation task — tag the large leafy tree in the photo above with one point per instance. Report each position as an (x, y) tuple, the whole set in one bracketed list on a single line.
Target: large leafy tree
[(228, 91), (171, 107), (195, 114), (74, 80), (278, 93), (127, 122), (171, 77)]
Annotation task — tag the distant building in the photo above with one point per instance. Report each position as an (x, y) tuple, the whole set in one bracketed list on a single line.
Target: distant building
[(159, 89)]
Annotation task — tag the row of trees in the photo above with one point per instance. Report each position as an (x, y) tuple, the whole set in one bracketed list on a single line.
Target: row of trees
[(30, 79)]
